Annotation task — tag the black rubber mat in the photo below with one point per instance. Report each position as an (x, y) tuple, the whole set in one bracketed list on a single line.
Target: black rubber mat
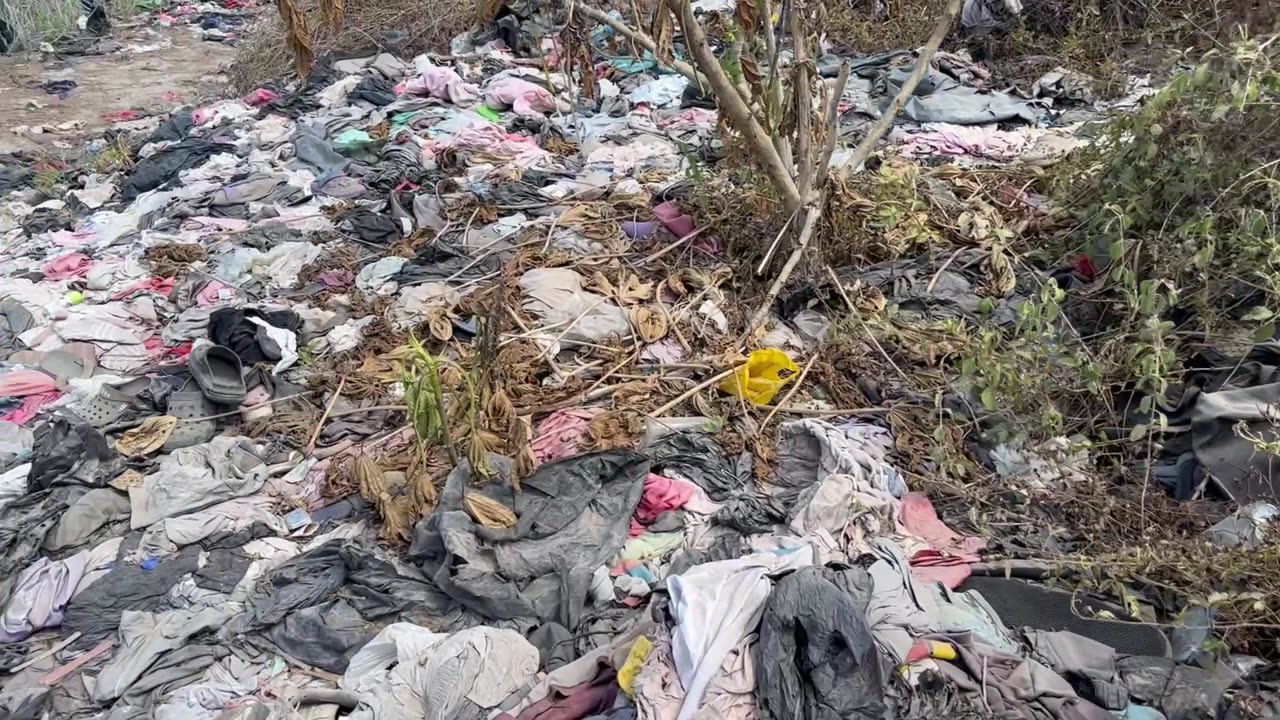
[(1022, 604)]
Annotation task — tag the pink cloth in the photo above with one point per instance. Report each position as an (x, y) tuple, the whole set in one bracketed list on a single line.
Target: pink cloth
[(660, 495), (676, 221), (160, 352), (441, 83), (259, 97), (21, 383), (560, 435), (30, 406), (337, 278), (932, 566), (71, 265), (121, 116), (948, 559), (215, 292), (920, 519), (159, 286), (691, 119), (957, 141), (524, 150), (522, 96)]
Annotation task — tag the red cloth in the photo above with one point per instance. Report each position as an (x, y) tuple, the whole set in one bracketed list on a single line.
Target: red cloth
[(71, 265), (121, 116), (1084, 265), (921, 520), (948, 560), (30, 406), (660, 495), (930, 566), (159, 351), (159, 286), (22, 383), (259, 97)]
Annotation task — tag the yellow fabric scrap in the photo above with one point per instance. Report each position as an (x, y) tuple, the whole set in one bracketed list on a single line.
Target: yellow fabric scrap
[(631, 668), (761, 378)]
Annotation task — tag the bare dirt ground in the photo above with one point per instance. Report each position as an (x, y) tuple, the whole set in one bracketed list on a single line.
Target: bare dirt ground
[(154, 71)]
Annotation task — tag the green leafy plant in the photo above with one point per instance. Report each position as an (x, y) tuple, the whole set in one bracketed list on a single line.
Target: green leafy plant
[(1029, 372)]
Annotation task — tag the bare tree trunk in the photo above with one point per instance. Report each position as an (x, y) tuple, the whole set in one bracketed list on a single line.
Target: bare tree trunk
[(732, 103)]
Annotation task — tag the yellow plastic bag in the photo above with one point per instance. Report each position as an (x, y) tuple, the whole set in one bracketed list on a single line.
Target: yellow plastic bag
[(627, 675), (761, 378)]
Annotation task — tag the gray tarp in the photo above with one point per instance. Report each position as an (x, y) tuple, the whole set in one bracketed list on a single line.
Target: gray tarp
[(573, 515), (816, 659)]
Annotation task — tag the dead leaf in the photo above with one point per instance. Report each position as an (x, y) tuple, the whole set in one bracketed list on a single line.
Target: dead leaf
[(662, 30), (439, 325), (650, 322), (748, 17), (634, 291), (397, 523), (998, 276), (614, 429), (488, 512), (600, 284), (334, 13), (423, 491), (751, 72)]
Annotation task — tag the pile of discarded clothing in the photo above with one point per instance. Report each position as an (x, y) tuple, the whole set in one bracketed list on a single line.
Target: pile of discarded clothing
[(175, 543)]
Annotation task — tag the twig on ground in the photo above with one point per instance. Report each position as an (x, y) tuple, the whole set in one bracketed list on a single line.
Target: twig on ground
[(672, 246), (696, 389), (578, 399), (806, 233), (311, 445), (237, 411), (853, 310), (835, 412), (794, 387), (47, 653)]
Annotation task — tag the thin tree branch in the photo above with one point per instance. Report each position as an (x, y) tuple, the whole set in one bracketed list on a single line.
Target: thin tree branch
[(832, 117), (877, 131), (806, 233), (773, 85), (731, 102), (802, 94), (642, 40)]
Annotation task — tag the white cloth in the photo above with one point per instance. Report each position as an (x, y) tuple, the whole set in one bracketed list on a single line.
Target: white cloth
[(230, 516), (556, 296), (410, 673), (144, 637), (197, 477), (716, 605)]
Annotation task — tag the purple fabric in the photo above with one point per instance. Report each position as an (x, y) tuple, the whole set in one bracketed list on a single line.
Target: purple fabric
[(639, 230), (40, 595)]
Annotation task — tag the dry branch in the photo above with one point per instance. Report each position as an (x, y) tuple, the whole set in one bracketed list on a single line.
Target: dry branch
[(642, 40), (877, 131), (731, 101), (860, 154)]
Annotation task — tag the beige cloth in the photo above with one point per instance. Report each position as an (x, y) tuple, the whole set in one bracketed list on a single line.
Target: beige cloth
[(730, 694)]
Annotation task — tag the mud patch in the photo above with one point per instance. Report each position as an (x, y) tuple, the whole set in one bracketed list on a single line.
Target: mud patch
[(155, 71)]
